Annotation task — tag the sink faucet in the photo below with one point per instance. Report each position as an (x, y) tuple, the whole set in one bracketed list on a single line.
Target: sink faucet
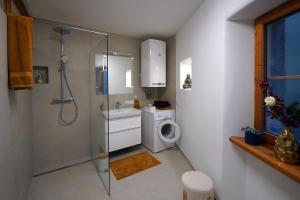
[(118, 104)]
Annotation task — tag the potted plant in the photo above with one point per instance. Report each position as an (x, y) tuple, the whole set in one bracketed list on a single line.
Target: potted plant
[(285, 147), (253, 136)]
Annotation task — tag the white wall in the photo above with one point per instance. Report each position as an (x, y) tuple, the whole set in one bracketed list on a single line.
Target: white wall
[(238, 103), (200, 111), (15, 131), (221, 100)]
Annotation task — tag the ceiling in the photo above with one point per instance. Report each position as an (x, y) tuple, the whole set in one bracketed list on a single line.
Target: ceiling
[(135, 18)]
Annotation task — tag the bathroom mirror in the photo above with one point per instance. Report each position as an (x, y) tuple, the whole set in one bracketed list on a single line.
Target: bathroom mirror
[(118, 76)]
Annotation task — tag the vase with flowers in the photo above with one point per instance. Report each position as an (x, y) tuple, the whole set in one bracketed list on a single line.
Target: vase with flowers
[(285, 147)]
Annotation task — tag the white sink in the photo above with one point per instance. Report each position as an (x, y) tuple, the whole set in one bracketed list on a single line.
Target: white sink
[(121, 113)]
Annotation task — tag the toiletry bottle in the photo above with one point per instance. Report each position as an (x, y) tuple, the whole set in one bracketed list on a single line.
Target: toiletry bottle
[(136, 103), (102, 107), (39, 79)]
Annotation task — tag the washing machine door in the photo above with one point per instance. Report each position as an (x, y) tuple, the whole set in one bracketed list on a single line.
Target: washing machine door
[(168, 131)]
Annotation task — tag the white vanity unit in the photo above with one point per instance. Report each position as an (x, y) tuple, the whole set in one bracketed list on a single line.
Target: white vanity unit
[(124, 128)]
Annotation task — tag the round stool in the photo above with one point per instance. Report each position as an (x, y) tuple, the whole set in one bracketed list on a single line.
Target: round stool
[(197, 186)]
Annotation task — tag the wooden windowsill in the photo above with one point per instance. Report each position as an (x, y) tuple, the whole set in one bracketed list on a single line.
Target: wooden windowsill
[(266, 154)]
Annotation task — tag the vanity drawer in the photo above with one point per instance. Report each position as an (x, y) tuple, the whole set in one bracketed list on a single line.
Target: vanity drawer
[(123, 139), (124, 124)]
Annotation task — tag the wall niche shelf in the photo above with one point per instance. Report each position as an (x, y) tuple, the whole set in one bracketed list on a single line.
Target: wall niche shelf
[(40, 74), (186, 74), (265, 153)]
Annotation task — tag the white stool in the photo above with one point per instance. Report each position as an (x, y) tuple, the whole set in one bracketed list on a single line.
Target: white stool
[(197, 186)]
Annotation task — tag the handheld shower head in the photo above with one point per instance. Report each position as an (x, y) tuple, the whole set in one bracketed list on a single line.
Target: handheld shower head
[(64, 59)]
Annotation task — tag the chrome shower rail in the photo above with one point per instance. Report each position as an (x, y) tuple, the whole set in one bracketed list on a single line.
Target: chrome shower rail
[(70, 26)]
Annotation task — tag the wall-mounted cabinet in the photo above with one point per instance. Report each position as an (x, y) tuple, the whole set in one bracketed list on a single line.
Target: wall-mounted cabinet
[(116, 77)]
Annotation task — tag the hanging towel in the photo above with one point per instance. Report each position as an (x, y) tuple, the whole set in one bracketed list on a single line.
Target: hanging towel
[(19, 44)]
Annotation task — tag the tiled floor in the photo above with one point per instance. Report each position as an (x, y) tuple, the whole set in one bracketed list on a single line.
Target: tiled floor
[(161, 182), (80, 182)]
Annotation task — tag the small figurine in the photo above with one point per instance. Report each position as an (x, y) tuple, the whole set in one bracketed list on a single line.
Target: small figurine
[(188, 82)]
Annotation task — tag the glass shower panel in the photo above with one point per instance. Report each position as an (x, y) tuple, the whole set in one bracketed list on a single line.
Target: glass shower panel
[(99, 110)]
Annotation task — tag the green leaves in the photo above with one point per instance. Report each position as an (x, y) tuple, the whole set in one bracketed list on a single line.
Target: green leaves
[(293, 110)]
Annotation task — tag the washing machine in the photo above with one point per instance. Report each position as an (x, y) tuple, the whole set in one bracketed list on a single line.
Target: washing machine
[(159, 129)]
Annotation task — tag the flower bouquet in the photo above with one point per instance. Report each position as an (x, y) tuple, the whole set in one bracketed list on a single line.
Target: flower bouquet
[(285, 147)]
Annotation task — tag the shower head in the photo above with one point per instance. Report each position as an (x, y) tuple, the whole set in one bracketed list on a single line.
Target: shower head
[(61, 30), (64, 59)]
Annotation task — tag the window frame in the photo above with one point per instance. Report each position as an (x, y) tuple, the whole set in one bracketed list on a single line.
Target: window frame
[(260, 60)]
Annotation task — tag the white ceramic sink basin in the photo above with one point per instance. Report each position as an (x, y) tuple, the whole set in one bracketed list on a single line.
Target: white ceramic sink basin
[(121, 113)]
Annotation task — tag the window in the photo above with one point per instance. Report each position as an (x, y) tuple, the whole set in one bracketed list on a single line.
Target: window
[(283, 64), (277, 60), (128, 79)]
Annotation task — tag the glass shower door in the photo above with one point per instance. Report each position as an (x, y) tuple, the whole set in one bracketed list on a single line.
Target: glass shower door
[(99, 111)]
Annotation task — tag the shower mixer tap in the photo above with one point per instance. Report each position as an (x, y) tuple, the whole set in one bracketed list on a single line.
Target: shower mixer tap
[(64, 81)]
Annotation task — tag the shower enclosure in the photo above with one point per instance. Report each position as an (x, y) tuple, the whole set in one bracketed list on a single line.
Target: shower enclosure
[(99, 103), (69, 98)]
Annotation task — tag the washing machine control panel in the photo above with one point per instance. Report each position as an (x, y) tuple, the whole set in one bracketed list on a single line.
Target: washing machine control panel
[(166, 114)]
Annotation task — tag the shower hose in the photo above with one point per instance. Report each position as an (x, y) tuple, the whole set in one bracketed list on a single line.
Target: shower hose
[(62, 121)]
